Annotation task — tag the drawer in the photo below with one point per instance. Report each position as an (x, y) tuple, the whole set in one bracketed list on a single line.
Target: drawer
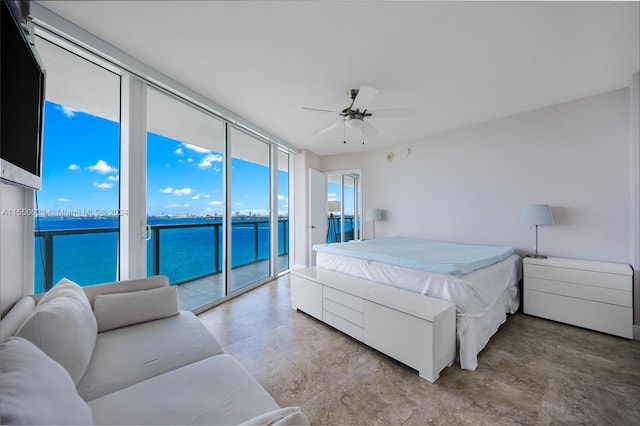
[(587, 292), (603, 317), (343, 298), (592, 278), (306, 295), (343, 325), (342, 311)]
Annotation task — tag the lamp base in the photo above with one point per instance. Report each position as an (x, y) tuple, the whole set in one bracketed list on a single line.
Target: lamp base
[(536, 256)]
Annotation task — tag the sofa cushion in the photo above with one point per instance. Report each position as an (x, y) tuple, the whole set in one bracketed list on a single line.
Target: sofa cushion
[(34, 389), (215, 390), (64, 327), (12, 321), (123, 309), (129, 355)]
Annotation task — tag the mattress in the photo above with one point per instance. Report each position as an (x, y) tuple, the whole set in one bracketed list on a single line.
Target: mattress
[(427, 255), (473, 293)]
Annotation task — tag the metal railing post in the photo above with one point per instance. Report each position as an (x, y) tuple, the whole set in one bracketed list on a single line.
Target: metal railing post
[(47, 246), (216, 248), (255, 241), (156, 250)]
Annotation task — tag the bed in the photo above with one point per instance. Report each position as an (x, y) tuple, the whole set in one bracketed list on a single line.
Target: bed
[(481, 280)]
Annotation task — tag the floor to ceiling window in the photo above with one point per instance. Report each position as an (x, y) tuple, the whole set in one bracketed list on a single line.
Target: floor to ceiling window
[(250, 209), (185, 205), (76, 229), (213, 196)]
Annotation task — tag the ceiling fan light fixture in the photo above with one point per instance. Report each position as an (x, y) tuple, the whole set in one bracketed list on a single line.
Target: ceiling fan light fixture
[(354, 122)]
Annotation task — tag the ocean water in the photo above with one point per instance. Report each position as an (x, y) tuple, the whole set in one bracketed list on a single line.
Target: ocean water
[(185, 252)]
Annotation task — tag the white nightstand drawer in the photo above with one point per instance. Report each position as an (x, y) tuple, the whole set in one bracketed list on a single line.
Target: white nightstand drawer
[(602, 317), (587, 292), (585, 277)]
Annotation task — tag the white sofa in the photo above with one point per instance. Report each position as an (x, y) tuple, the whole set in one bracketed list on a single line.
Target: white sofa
[(122, 353)]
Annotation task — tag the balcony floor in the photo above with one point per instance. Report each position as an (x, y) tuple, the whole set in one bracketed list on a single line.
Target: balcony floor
[(197, 293)]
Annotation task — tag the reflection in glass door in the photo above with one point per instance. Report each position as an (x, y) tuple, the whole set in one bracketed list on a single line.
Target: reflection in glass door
[(185, 203), (343, 206), (78, 221), (250, 245)]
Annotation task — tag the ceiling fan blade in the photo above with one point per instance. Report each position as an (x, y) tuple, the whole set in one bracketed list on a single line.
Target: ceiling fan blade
[(393, 112), (329, 127), (369, 130), (364, 98), (320, 110)]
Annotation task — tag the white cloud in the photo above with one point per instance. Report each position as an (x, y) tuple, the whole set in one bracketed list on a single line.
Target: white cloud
[(63, 200), (215, 203), (179, 151), (167, 190), (73, 167), (197, 149), (282, 197), (211, 158), (206, 196), (332, 195), (69, 112), (174, 205), (115, 178), (190, 160), (103, 185), (196, 197), (183, 191), (102, 167)]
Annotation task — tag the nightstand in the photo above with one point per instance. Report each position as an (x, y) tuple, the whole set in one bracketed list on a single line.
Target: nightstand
[(593, 295)]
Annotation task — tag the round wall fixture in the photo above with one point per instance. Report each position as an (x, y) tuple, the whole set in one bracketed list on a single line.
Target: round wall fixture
[(390, 156)]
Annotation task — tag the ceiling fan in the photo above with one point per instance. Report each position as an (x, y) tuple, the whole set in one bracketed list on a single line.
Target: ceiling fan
[(354, 115)]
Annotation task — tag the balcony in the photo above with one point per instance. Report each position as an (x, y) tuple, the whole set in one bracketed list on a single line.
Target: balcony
[(189, 254)]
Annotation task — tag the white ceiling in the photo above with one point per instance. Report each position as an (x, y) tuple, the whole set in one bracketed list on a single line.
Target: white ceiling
[(458, 63)]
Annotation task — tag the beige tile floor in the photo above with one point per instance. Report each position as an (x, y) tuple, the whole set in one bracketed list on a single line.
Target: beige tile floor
[(533, 371)]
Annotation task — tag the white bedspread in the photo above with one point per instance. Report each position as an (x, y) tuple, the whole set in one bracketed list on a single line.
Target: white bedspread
[(442, 257), (472, 293)]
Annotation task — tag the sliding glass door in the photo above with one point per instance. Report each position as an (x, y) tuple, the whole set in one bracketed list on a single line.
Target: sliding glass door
[(250, 206), (185, 203), (78, 216)]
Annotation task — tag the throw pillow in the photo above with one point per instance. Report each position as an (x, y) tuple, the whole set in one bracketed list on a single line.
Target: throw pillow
[(64, 327), (123, 309), (34, 389)]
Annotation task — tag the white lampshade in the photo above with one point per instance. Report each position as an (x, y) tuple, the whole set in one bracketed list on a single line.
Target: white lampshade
[(536, 214), (333, 206), (374, 215)]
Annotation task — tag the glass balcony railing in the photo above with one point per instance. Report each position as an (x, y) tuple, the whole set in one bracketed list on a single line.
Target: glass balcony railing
[(183, 252)]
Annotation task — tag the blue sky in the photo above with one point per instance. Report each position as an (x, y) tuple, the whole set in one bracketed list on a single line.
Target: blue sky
[(81, 171)]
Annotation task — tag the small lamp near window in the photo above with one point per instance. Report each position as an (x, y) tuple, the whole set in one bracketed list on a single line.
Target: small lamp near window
[(374, 215), (536, 214)]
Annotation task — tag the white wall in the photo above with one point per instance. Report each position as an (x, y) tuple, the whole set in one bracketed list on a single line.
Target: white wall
[(304, 160), (14, 263), (470, 184)]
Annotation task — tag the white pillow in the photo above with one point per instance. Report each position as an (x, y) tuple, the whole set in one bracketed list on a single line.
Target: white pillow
[(122, 309), (66, 288), (34, 389), (64, 327)]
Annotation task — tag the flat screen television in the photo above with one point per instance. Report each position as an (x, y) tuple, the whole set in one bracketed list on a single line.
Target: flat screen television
[(22, 91)]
